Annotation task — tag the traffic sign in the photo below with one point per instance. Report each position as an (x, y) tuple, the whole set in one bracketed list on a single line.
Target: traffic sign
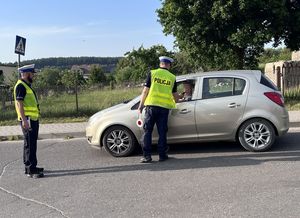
[(20, 45)]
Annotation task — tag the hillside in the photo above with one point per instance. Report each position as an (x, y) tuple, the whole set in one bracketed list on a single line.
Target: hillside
[(107, 63)]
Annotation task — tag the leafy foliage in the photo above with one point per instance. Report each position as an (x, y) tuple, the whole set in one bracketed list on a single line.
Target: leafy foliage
[(97, 76), (228, 34), (71, 79), (107, 63), (48, 77), (273, 55), (137, 63)]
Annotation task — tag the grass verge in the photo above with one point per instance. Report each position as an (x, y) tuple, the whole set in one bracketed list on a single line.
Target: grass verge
[(62, 108)]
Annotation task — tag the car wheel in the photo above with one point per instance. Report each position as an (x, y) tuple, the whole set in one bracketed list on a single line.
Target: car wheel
[(119, 141), (256, 135)]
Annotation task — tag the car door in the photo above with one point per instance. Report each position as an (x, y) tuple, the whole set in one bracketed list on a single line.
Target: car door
[(182, 126), (182, 123), (221, 107)]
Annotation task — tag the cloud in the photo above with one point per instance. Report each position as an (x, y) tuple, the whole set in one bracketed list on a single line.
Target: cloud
[(97, 23), (8, 32), (42, 31)]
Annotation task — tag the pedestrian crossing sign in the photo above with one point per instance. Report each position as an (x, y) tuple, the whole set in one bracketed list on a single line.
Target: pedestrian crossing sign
[(20, 45)]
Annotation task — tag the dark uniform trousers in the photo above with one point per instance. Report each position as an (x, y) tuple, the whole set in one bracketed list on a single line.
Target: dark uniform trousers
[(30, 145), (159, 116)]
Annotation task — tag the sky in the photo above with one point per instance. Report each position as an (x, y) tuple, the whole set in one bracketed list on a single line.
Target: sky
[(74, 28)]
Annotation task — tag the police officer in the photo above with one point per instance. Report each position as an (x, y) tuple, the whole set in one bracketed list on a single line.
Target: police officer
[(159, 96), (28, 112)]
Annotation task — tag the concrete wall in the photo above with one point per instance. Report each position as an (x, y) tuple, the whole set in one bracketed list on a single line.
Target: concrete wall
[(284, 74), (274, 72), (296, 56)]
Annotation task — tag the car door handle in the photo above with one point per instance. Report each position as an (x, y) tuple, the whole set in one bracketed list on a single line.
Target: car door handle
[(234, 105), (184, 111)]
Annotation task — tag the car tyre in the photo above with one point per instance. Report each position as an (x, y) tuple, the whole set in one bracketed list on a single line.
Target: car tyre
[(256, 135), (119, 141)]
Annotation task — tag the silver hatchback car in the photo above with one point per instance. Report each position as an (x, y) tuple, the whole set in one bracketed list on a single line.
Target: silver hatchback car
[(240, 105)]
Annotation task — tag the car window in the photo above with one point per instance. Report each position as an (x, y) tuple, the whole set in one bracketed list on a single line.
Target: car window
[(222, 87), (186, 90), (239, 86), (266, 82)]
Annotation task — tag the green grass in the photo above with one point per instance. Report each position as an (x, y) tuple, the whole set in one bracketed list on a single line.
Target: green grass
[(62, 108), (293, 105), (292, 94)]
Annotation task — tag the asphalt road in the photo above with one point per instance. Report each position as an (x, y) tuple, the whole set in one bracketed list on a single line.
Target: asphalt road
[(204, 180)]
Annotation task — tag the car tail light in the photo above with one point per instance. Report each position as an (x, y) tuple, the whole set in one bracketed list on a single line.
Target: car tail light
[(275, 97)]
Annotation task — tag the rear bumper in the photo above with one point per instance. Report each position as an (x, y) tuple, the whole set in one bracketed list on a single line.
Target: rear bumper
[(283, 125)]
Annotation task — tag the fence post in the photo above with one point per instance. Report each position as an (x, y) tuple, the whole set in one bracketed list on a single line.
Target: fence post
[(76, 91)]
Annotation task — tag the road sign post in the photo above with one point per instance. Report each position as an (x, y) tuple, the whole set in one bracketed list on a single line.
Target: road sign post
[(20, 47)]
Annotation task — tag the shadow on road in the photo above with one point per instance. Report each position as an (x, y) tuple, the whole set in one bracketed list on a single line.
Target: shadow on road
[(285, 149)]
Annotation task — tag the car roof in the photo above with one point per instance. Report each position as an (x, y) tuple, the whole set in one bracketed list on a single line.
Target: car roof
[(247, 73)]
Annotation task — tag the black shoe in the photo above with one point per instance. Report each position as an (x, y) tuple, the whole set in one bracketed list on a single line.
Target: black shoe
[(40, 169), (146, 160), (35, 175), (163, 158)]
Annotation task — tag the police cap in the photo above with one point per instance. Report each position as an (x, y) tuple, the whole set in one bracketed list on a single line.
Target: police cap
[(27, 69), (166, 59)]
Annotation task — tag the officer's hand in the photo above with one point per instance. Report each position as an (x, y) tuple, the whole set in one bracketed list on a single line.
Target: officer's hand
[(25, 124), (140, 109)]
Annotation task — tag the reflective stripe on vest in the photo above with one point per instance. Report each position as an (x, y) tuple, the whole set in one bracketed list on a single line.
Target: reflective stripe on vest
[(30, 102), (160, 93)]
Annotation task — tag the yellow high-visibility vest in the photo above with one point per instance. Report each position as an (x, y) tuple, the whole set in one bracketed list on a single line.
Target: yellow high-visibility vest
[(160, 93), (30, 103)]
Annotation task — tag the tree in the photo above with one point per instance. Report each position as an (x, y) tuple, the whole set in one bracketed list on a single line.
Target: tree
[(97, 76), (273, 55), (71, 79), (137, 63), (48, 78), (13, 79), (184, 64), (226, 34)]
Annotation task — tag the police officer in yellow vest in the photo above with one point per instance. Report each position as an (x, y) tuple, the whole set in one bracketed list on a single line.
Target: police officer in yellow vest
[(28, 112), (159, 96)]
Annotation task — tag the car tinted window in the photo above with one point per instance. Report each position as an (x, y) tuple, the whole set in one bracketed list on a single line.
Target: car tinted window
[(266, 82), (239, 86), (222, 86)]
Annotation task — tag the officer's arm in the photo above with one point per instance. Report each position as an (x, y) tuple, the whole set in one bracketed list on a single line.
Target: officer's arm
[(176, 96), (143, 98), (20, 108)]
